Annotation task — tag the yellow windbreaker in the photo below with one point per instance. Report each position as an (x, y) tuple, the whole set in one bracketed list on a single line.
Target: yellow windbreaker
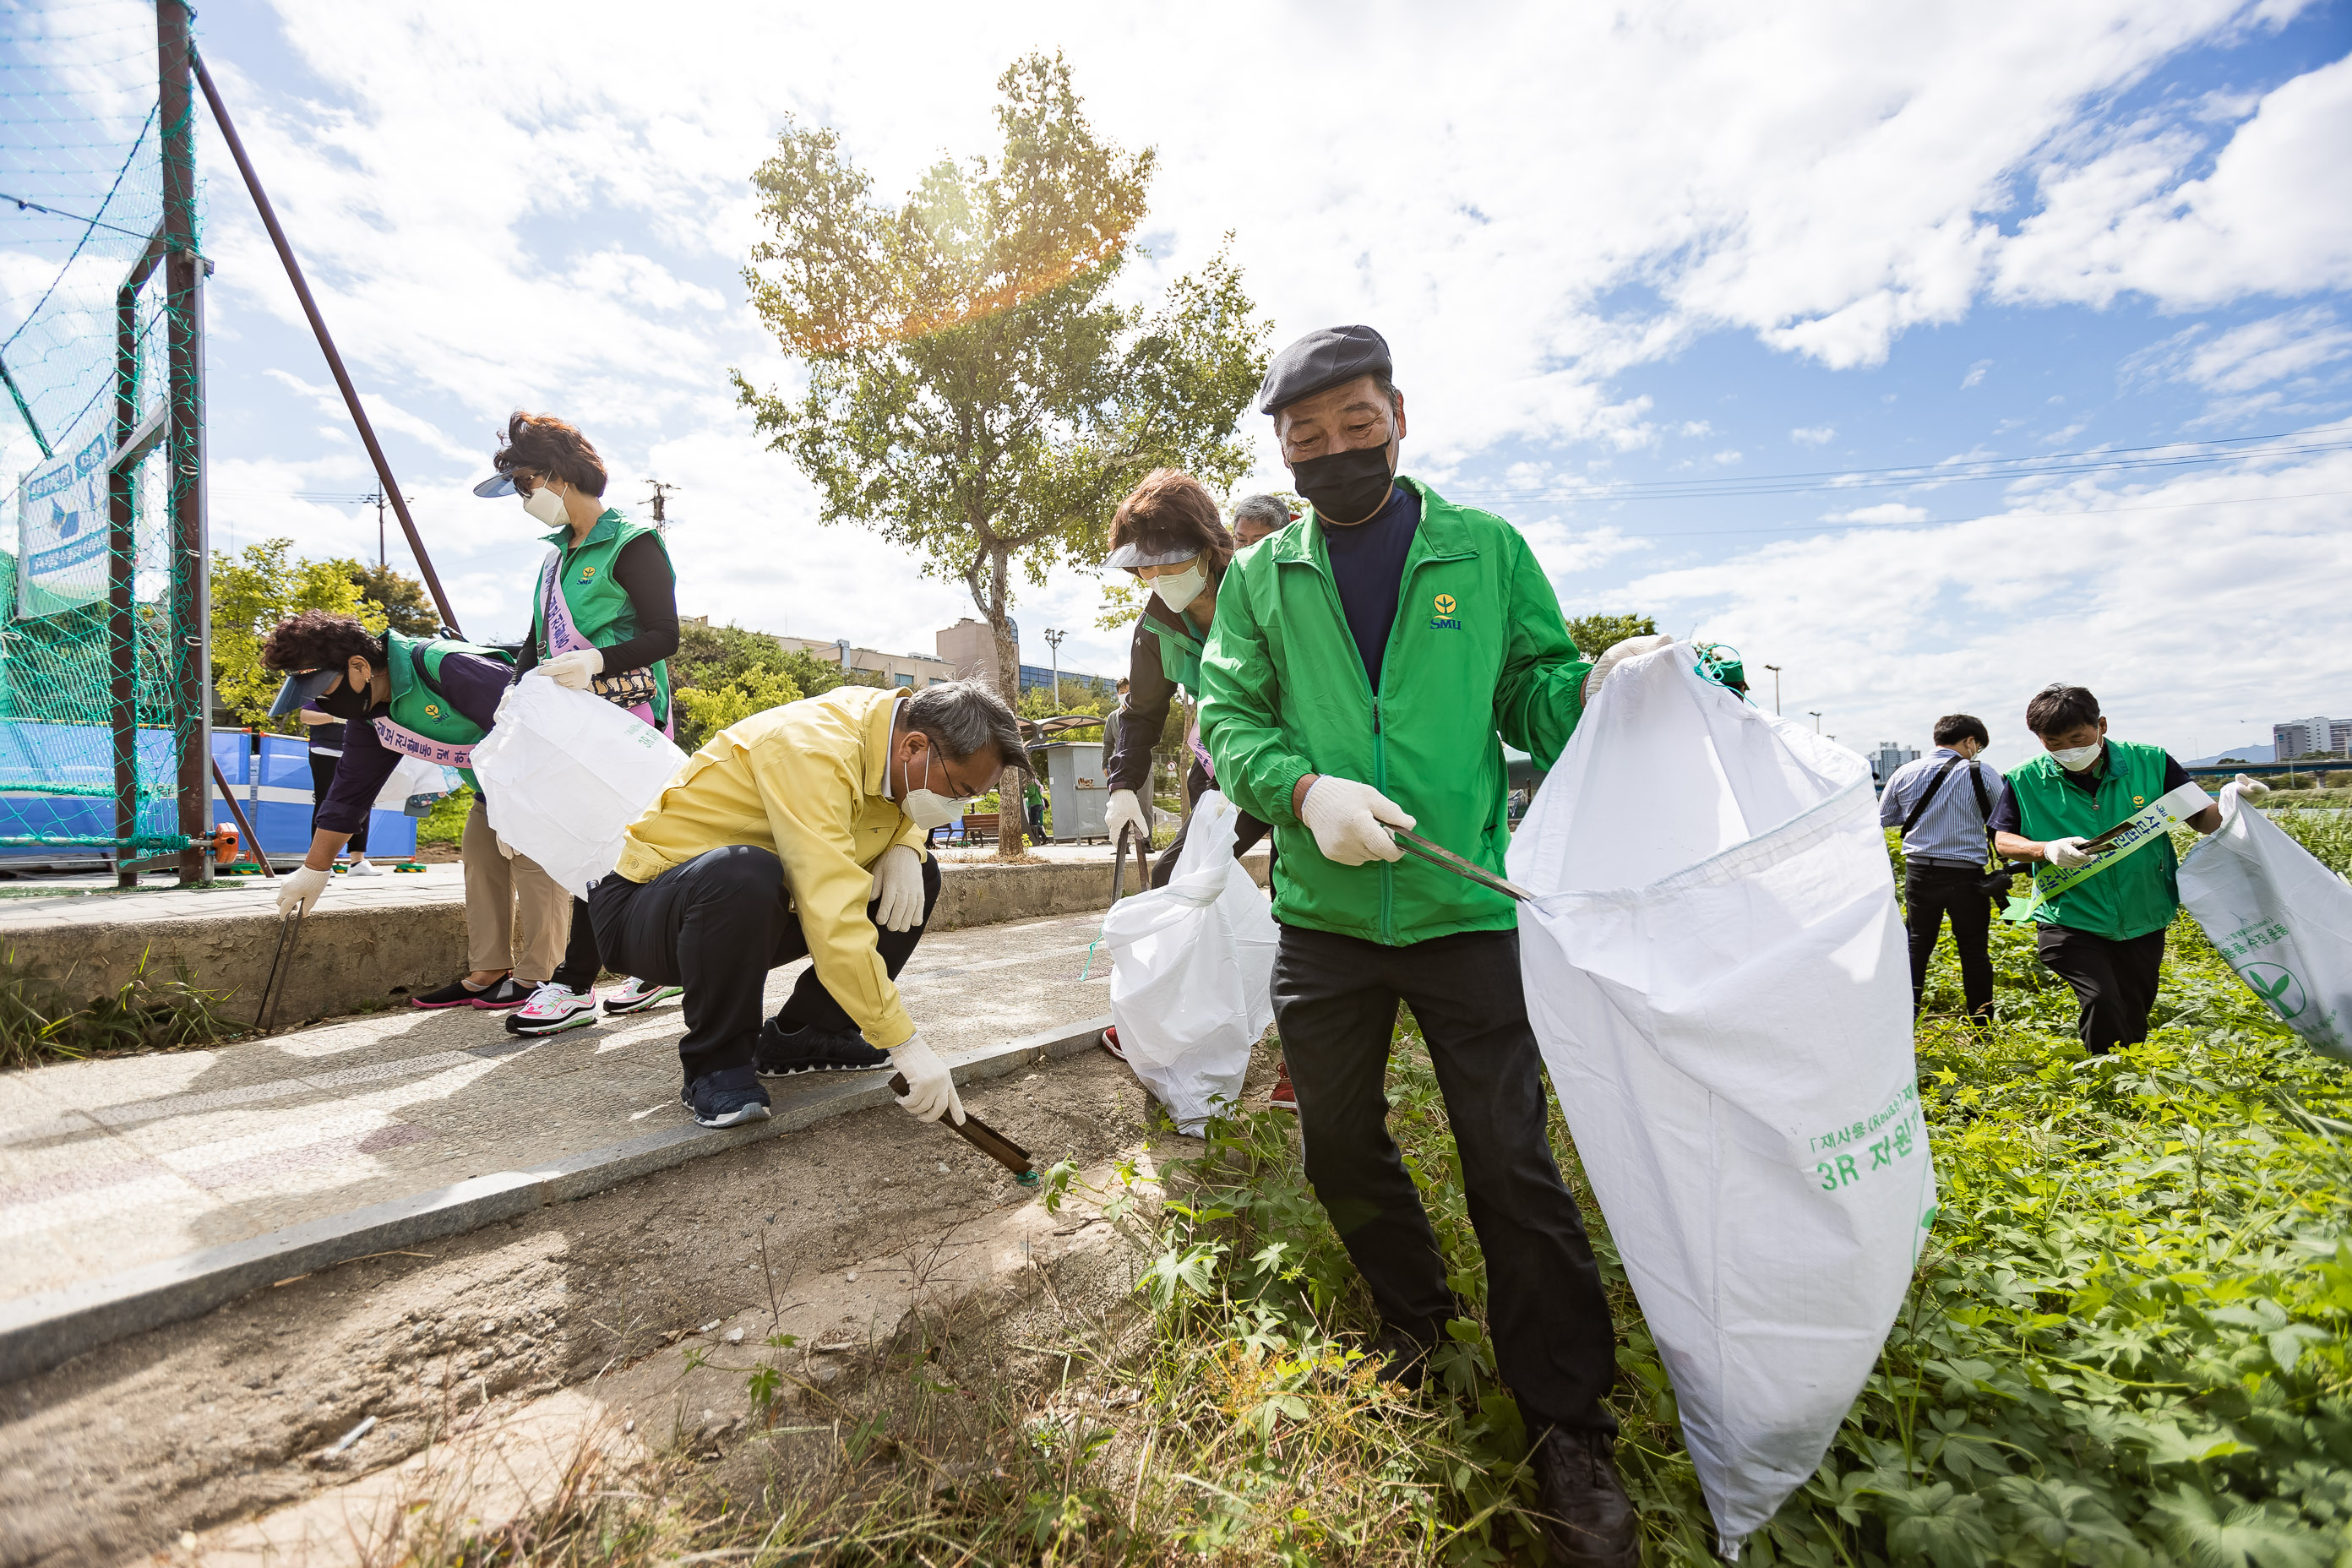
[(805, 781)]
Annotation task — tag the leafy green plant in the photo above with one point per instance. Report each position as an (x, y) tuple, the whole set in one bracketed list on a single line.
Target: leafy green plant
[(39, 1023)]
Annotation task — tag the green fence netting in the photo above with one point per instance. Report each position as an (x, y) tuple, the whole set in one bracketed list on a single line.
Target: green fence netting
[(100, 596)]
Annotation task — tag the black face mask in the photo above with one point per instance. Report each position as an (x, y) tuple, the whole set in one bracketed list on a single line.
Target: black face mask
[(1346, 487), (343, 702)]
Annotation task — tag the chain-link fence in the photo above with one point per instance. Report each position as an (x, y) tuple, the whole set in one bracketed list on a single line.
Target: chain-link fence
[(102, 703)]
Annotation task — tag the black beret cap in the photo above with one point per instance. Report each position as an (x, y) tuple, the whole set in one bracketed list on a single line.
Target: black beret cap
[(1322, 360)]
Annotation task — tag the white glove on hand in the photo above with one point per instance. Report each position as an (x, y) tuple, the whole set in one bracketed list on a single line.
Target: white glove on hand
[(2249, 784), (302, 889), (897, 887), (2066, 853), (1345, 817), (577, 669), (930, 1087), (1125, 810), (1619, 652)]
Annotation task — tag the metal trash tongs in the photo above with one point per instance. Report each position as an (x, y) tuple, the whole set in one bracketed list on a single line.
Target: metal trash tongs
[(1437, 855)]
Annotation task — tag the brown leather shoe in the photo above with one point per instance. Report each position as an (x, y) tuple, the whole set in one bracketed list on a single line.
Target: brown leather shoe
[(1589, 1522)]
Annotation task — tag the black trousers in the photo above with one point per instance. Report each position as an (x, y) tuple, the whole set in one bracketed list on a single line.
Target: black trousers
[(716, 925), (1247, 829), (1930, 893), (2115, 981), (581, 957), (1334, 1001), (322, 773)]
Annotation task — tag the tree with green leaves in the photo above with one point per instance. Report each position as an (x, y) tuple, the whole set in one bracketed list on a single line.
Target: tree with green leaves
[(251, 594), (1594, 634), (977, 393), (397, 596)]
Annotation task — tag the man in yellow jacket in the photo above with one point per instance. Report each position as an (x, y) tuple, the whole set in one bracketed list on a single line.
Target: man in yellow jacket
[(799, 832)]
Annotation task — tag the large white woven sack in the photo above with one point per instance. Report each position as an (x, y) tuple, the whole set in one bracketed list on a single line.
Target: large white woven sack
[(2283, 919), (1191, 973), (1719, 979), (564, 774)]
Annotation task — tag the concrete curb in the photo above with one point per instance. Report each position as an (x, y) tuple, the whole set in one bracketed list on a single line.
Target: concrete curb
[(38, 1332)]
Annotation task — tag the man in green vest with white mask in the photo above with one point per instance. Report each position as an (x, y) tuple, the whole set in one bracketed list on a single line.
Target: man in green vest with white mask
[(2098, 813)]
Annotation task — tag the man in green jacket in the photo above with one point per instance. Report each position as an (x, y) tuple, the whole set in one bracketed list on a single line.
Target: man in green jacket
[(1364, 669), (2098, 814)]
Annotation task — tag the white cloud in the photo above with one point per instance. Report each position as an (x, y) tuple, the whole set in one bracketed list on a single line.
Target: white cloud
[(1726, 458), (1815, 436), (1976, 373), (485, 236), (1883, 631), (1886, 512), (2125, 218), (2291, 345)]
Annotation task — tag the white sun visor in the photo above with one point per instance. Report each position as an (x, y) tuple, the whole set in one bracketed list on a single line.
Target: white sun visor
[(1149, 552)]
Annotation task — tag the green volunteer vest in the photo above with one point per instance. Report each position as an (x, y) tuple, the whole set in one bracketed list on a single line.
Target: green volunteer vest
[(2138, 894), (1180, 651), (599, 607), (417, 707)]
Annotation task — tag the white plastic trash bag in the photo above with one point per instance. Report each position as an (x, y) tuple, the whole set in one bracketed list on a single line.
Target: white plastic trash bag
[(2283, 919), (564, 774), (415, 785), (1192, 972), (1720, 984)]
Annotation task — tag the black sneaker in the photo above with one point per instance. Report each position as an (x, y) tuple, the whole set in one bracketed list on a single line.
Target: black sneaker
[(1589, 1520), (780, 1054), (456, 993), (508, 993), (1404, 1355), (728, 1098)]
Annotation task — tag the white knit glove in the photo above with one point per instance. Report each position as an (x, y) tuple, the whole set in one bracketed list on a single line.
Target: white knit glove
[(1124, 810), (930, 1087), (897, 887), (1345, 817), (2249, 784), (2066, 853), (1619, 652), (302, 889), (577, 669)]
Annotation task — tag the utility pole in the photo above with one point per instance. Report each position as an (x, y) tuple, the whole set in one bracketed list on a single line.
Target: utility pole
[(1776, 689), (1053, 640), (380, 500), (1817, 719), (662, 491)]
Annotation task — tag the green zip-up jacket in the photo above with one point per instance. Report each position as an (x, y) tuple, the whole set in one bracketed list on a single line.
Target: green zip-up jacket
[(2139, 893), (1477, 656)]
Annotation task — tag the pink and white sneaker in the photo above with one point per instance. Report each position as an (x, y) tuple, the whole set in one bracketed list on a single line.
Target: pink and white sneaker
[(636, 994), (554, 1008)]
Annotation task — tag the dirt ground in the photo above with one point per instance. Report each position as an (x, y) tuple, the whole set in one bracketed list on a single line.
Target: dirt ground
[(120, 1453)]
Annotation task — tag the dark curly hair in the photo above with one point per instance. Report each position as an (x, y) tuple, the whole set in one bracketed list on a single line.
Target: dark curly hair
[(320, 639), (1170, 510), (545, 447)]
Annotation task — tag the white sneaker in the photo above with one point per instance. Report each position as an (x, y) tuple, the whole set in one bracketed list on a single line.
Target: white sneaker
[(362, 868), (636, 994), (552, 1008)]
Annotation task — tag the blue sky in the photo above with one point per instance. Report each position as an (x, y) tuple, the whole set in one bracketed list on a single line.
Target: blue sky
[(1705, 246)]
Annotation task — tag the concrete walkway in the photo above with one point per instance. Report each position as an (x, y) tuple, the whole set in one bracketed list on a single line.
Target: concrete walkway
[(146, 1189)]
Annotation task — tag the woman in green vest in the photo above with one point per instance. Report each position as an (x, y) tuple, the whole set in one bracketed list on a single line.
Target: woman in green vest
[(603, 620)]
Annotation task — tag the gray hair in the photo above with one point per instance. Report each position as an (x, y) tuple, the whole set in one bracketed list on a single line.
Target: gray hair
[(962, 716), (1267, 509)]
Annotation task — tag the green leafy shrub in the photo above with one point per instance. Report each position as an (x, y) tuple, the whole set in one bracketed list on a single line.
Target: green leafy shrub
[(39, 1024)]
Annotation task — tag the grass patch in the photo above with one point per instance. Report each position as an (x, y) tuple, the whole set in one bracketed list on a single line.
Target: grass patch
[(445, 823), (39, 1021), (2125, 1344)]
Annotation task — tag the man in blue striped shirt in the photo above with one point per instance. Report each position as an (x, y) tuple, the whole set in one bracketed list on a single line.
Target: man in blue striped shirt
[(1944, 802)]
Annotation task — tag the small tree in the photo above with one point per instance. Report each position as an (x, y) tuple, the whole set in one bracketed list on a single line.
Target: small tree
[(251, 594), (397, 596), (976, 393), (1594, 634), (702, 714)]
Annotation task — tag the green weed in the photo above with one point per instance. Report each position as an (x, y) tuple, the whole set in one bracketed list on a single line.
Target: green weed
[(39, 1023)]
